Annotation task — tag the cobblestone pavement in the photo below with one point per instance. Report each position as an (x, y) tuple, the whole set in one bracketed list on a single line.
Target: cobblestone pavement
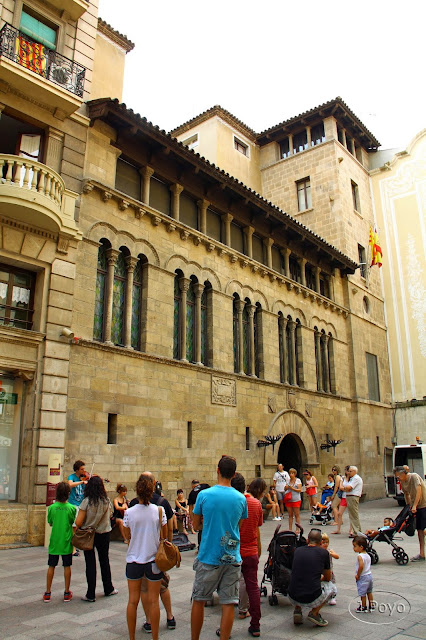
[(23, 615)]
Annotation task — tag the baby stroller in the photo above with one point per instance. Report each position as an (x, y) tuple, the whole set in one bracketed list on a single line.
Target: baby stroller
[(324, 516), (277, 569), (404, 522)]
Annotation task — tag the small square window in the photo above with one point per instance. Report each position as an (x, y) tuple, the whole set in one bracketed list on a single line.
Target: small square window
[(241, 147)]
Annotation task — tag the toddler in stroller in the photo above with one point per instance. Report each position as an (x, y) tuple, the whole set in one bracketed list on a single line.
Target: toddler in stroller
[(322, 513), (277, 569), (404, 522)]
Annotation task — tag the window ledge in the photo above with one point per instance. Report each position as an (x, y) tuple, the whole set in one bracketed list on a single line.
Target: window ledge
[(359, 214), (304, 211)]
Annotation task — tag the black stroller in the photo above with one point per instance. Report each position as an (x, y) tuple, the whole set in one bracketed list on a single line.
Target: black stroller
[(323, 516), (404, 523), (277, 568)]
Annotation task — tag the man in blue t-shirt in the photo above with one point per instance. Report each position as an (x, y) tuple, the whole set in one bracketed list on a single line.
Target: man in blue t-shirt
[(77, 482), (219, 511)]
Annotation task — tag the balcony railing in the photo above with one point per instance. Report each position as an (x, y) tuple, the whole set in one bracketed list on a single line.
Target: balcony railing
[(30, 175), (19, 48)]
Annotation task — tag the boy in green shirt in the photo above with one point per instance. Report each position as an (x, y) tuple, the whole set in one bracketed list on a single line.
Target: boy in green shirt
[(60, 515)]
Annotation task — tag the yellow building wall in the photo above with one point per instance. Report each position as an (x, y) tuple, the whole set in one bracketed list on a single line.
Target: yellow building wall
[(399, 192), (108, 70)]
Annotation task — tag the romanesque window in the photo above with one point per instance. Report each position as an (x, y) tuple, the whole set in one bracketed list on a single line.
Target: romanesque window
[(101, 277), (247, 333), (16, 297), (290, 350), (191, 320), (324, 360), (118, 300)]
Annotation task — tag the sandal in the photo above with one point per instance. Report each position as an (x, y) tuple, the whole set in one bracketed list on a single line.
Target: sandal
[(218, 633), (243, 614), (254, 631)]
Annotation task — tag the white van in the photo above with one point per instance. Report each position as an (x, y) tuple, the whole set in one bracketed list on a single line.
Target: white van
[(413, 455)]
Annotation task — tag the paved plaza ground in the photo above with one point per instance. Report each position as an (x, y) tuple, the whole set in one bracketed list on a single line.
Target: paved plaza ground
[(23, 615)]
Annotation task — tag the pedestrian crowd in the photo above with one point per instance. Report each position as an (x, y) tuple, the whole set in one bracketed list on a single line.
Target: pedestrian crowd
[(227, 517)]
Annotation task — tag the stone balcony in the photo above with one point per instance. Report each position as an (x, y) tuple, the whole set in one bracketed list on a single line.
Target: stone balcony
[(34, 194), (75, 8)]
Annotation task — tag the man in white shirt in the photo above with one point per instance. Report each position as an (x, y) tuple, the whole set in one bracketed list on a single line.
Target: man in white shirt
[(353, 491), (281, 478)]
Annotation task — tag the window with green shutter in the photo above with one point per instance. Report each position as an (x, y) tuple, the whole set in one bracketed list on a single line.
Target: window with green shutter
[(37, 30)]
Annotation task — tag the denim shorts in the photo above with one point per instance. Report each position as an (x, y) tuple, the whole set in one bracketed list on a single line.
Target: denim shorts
[(136, 571), (224, 578), (365, 584)]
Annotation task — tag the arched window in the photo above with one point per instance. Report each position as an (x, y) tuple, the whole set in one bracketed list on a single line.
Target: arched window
[(137, 306), (258, 350), (324, 360), (236, 333), (190, 321), (176, 317), (204, 320), (118, 300), (282, 346), (101, 275), (246, 338)]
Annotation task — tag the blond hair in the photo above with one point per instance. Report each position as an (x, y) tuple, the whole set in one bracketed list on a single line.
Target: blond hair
[(324, 537)]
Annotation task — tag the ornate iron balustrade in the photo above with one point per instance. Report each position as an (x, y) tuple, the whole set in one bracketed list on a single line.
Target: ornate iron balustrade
[(19, 48)]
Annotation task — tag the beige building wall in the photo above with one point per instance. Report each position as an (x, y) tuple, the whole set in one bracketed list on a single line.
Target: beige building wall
[(399, 193)]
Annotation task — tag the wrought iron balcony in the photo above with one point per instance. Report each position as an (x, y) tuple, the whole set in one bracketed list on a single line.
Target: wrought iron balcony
[(18, 47)]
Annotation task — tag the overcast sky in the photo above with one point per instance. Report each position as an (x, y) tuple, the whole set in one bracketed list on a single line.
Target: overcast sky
[(268, 60)]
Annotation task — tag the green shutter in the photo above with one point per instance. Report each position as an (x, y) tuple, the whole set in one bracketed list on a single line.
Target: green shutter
[(37, 30)]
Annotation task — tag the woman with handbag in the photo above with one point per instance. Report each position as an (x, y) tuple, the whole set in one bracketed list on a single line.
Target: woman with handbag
[(144, 524), (95, 514)]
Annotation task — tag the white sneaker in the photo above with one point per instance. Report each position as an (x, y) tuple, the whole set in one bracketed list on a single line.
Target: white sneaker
[(332, 602), (276, 518)]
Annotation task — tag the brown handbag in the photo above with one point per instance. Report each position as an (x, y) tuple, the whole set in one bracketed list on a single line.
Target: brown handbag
[(168, 555), (83, 539)]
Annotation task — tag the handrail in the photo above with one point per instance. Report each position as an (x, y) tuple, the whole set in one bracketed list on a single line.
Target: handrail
[(31, 175), (41, 60)]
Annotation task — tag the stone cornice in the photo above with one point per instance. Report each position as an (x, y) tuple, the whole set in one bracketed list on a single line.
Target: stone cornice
[(12, 335), (22, 226), (115, 36)]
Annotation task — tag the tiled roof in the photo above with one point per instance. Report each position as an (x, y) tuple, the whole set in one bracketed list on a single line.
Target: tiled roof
[(216, 110), (114, 35), (100, 107), (334, 106)]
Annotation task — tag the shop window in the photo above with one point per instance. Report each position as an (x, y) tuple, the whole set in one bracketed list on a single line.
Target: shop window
[(10, 420), (16, 297)]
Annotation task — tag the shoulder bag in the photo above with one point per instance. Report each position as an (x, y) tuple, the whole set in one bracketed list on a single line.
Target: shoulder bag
[(83, 538), (168, 555)]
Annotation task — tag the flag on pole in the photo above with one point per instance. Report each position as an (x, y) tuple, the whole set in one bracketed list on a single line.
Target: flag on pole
[(376, 250)]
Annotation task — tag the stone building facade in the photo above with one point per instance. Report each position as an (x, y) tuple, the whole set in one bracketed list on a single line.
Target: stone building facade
[(159, 310), (47, 53)]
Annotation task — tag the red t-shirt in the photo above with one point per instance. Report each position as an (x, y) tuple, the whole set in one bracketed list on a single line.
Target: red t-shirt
[(248, 529)]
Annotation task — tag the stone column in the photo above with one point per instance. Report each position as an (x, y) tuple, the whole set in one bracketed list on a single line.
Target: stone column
[(326, 381), (184, 286), (176, 190), (308, 136), (251, 308), (283, 326), (317, 279), (240, 308), (290, 144), (249, 240), (227, 219), (146, 173), (130, 268), (111, 255), (55, 145), (302, 263), (318, 360), (198, 291), (268, 242), (293, 358), (286, 255), (343, 137), (203, 205), (331, 287)]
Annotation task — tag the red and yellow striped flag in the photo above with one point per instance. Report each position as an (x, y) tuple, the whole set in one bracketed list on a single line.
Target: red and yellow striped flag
[(376, 250)]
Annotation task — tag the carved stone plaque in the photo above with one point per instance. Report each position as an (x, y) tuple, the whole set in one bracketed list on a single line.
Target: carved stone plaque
[(291, 399), (224, 391), (272, 404)]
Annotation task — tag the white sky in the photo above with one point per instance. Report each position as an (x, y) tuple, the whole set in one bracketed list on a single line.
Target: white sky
[(268, 60)]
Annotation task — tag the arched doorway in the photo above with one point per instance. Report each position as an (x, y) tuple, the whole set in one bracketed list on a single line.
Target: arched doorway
[(290, 453)]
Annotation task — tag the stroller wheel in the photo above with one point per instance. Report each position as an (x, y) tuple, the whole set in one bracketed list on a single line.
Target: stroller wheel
[(396, 551), (273, 600), (263, 591), (401, 558), (374, 556)]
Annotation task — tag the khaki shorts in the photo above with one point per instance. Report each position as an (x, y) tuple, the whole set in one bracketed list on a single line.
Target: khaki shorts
[(224, 578), (164, 583)]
